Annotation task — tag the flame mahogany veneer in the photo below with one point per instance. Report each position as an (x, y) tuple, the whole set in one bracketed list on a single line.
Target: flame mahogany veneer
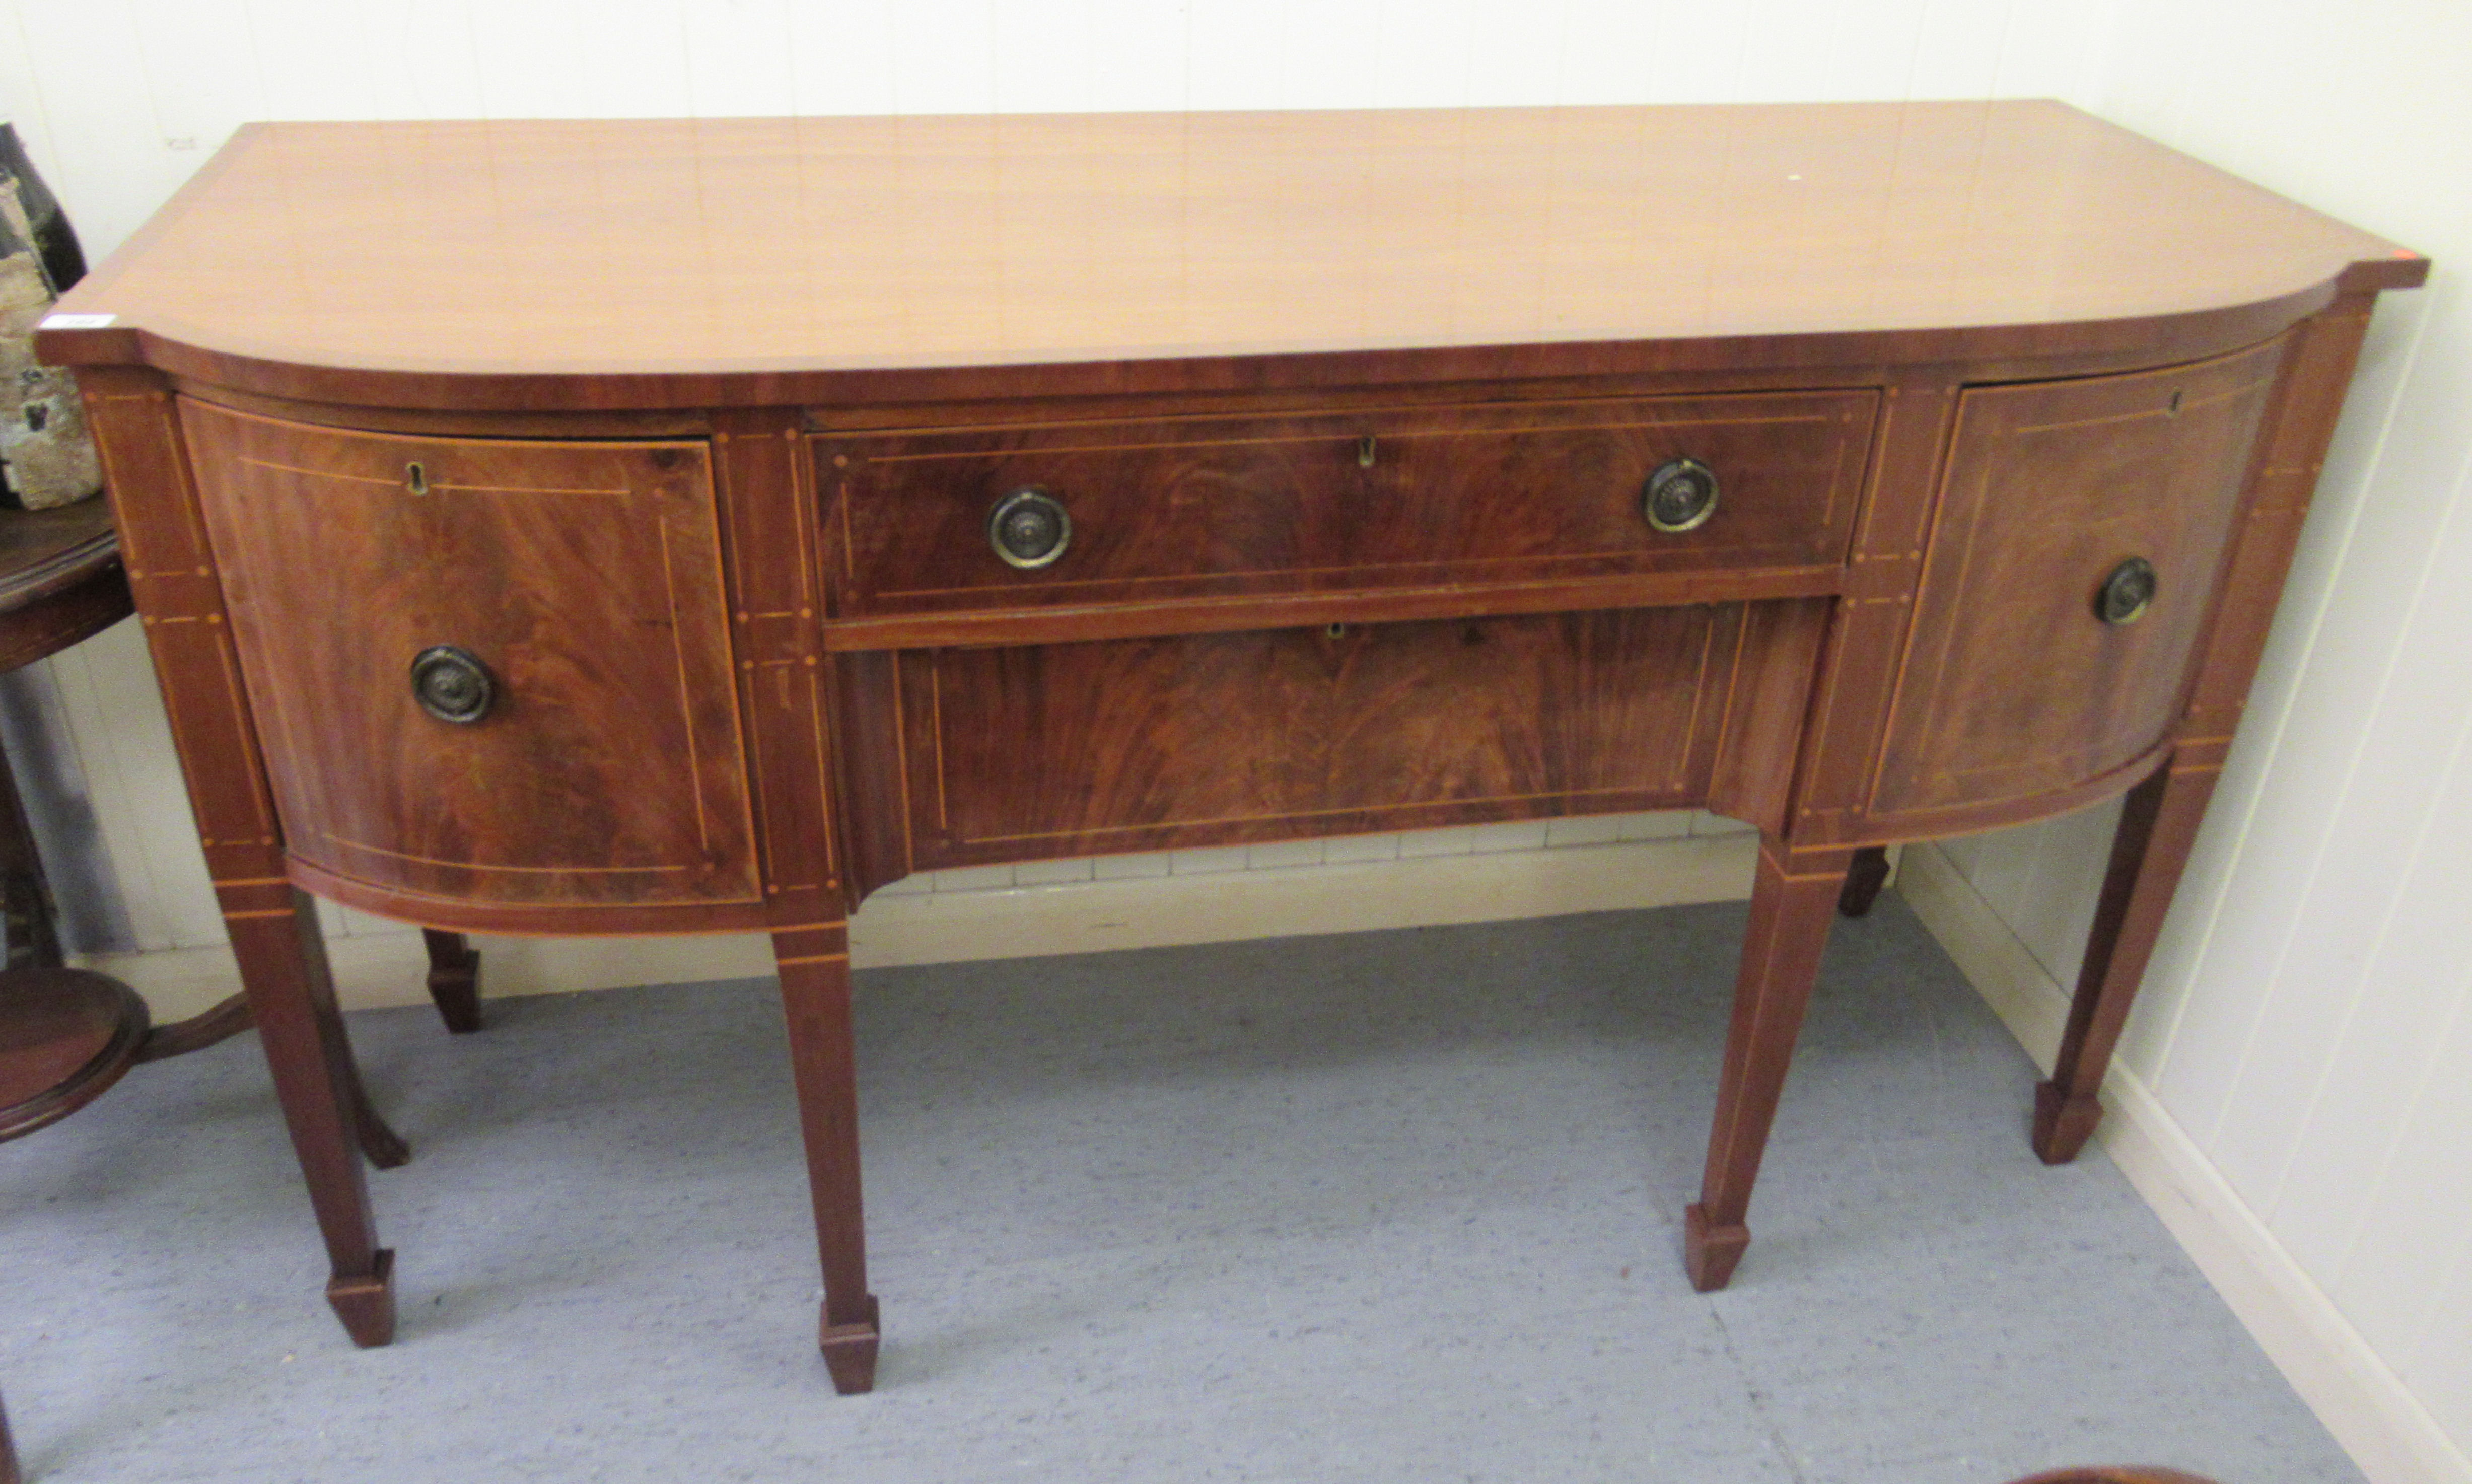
[(688, 434)]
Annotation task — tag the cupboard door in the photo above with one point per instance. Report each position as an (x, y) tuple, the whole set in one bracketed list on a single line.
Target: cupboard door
[(567, 597), (2015, 683)]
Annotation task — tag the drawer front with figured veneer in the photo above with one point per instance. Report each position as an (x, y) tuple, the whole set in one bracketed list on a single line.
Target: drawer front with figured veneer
[(488, 671), (2074, 564), (1465, 498), (1016, 754)]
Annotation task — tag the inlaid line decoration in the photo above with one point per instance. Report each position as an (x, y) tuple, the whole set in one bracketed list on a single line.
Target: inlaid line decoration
[(334, 482), (686, 693), (805, 515), (466, 865), (1690, 751), (824, 776), (2185, 408), (227, 661), (901, 751), (1309, 814), (1205, 443), (1965, 562), (166, 425), (718, 539), (936, 731), (1932, 723), (435, 487), (1709, 556)]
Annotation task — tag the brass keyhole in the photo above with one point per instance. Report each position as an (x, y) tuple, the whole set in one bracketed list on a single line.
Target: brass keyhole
[(415, 479), (1365, 451)]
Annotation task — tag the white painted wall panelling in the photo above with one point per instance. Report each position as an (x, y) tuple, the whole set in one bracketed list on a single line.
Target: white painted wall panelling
[(2308, 1021)]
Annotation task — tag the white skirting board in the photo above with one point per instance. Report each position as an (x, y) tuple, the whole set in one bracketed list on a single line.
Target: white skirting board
[(2371, 1412), (375, 969)]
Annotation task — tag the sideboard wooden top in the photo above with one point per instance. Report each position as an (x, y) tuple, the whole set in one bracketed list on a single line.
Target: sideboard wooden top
[(657, 262)]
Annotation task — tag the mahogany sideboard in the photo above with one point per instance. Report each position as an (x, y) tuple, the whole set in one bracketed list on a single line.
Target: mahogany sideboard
[(691, 526)]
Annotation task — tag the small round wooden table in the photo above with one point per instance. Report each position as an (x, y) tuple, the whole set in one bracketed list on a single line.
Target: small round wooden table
[(65, 1035)]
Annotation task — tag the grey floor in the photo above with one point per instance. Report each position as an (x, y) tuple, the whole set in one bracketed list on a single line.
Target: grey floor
[(1386, 1206)]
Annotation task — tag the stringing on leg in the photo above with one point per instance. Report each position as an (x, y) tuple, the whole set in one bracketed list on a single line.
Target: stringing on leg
[(1793, 900)]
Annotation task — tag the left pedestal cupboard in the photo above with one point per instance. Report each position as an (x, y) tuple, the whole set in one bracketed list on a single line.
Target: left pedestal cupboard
[(687, 526)]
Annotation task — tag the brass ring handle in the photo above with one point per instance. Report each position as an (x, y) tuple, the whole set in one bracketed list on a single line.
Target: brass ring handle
[(1681, 496), (452, 685), (1028, 528), (2127, 593)]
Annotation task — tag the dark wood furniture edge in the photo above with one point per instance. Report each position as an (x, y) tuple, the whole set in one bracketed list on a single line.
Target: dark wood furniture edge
[(65, 582), (42, 1107), (379, 1144), (454, 979), (2159, 822), (1793, 895), (1864, 879), (770, 544), (1167, 617), (273, 928), (591, 921), (216, 1023), (2187, 334)]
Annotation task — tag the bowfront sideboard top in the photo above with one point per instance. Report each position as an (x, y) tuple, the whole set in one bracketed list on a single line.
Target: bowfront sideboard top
[(701, 263), (681, 526)]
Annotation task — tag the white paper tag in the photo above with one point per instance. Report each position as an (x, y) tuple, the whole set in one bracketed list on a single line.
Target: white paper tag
[(79, 321)]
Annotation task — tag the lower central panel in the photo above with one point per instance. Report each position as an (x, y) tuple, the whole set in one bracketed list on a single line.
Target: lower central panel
[(1091, 748)]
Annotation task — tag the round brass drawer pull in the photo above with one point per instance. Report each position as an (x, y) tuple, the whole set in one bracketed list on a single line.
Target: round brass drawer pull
[(2127, 593), (1681, 496), (1028, 528), (452, 685)]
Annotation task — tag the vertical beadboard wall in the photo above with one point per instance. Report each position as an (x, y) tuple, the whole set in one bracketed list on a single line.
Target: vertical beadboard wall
[(2305, 1029), (2307, 1025)]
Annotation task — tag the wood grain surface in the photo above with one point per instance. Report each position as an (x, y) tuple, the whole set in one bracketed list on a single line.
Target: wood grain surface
[(2013, 687), (1074, 749), (65, 1038), (702, 262), (585, 576), (1460, 496), (692, 429)]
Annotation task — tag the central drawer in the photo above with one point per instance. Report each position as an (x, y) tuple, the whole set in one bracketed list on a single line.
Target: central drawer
[(1433, 497)]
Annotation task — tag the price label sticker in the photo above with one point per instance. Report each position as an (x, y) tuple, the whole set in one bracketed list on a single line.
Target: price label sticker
[(79, 321)]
